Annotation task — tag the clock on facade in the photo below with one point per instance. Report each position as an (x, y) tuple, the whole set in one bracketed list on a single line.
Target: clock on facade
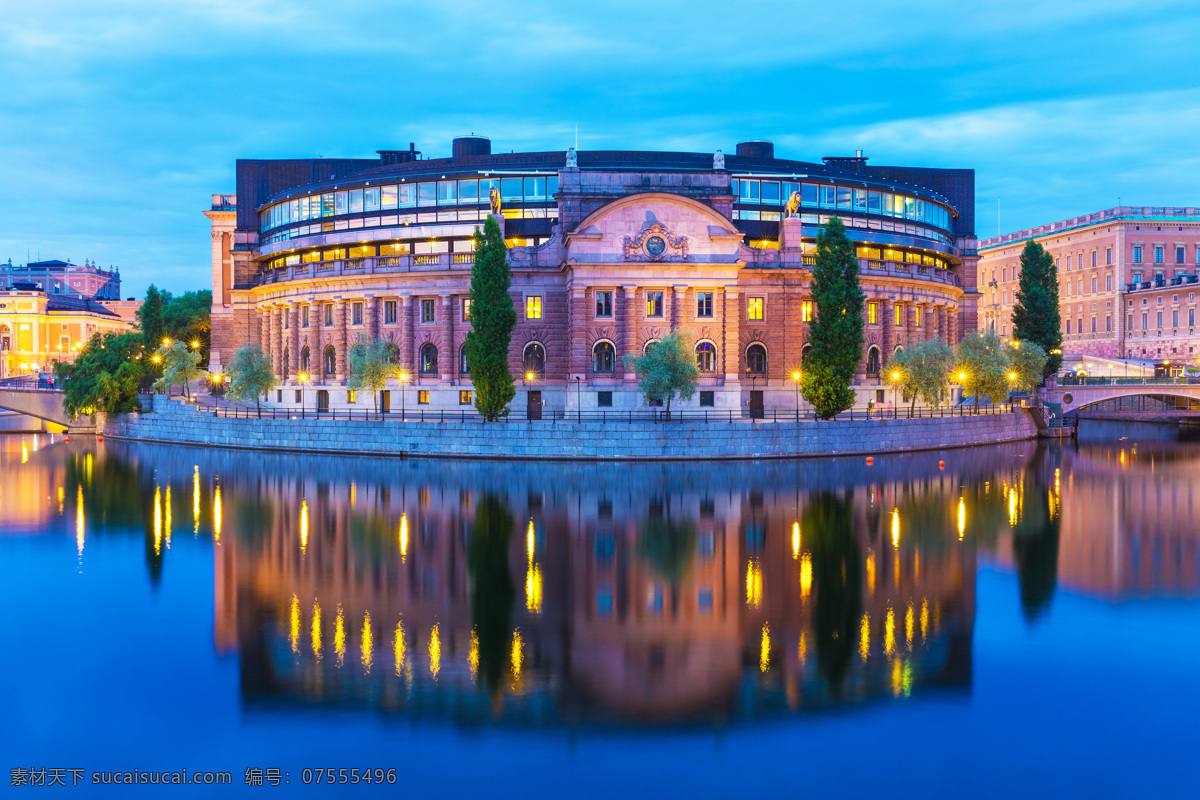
[(655, 245)]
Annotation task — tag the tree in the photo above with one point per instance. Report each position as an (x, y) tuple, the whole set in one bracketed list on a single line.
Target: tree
[(187, 318), (1026, 363), (668, 368), (836, 335), (837, 569), (371, 366), (983, 366), (924, 371), (104, 376), (1035, 315), (181, 365), (492, 590), (492, 320), (150, 318), (250, 375)]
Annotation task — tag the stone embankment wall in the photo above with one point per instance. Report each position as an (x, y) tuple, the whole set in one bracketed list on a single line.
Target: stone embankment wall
[(182, 424)]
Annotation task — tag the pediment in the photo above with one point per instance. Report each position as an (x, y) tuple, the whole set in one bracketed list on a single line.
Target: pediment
[(654, 227)]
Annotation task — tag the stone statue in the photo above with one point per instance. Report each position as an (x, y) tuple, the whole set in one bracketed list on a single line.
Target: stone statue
[(718, 160), (793, 205), (572, 159), (494, 199)]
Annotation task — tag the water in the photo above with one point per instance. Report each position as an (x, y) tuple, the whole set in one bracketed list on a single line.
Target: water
[(1016, 619)]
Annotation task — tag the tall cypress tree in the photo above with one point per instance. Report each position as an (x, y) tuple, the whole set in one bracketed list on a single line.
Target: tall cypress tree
[(492, 320), (150, 319), (836, 334), (1035, 316)]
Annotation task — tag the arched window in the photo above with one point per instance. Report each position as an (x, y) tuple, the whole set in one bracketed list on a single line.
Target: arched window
[(649, 346), (604, 357), (429, 365), (756, 359), (873, 363), (534, 359), (899, 348), (304, 359), (463, 368), (393, 353), (330, 361), (706, 357), (804, 352)]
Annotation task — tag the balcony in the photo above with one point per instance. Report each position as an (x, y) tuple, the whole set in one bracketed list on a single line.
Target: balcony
[(899, 269), (369, 266)]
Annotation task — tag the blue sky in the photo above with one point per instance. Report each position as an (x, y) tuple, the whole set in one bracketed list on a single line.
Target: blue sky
[(119, 118)]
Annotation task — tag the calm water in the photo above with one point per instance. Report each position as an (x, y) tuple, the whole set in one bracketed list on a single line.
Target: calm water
[(1022, 619)]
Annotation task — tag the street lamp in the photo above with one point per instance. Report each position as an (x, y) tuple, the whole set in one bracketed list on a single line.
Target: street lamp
[(303, 380), (403, 380), (962, 376), (796, 378), (166, 342), (528, 378), (1012, 377), (895, 394), (578, 400)]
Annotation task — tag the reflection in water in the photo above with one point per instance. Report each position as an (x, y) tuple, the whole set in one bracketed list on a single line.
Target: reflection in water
[(651, 593)]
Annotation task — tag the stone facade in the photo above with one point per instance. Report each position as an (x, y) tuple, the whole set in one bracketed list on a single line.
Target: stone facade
[(1127, 282), (630, 254)]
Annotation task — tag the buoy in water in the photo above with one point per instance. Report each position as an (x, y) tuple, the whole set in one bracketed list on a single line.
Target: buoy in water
[(68, 438), (870, 460), (102, 438), (941, 465)]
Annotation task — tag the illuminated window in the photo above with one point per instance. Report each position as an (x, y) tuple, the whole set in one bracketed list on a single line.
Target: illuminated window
[(463, 368), (654, 304), (706, 357), (872, 313), (806, 311), (754, 308), (351, 396), (466, 306), (464, 397), (423, 397), (917, 312), (704, 304), (429, 359), (756, 359), (427, 310), (389, 312), (603, 357), (533, 306), (356, 313), (534, 359), (604, 307)]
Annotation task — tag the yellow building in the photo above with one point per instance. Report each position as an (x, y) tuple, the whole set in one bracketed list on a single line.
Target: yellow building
[(37, 328)]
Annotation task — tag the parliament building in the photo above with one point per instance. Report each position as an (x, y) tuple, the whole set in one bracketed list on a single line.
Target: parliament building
[(609, 251)]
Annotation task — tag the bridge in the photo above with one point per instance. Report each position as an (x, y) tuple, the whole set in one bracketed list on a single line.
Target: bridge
[(1128, 398), (32, 397)]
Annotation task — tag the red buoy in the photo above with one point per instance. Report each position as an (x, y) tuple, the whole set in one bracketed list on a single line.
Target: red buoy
[(870, 460), (102, 437), (941, 465), (68, 438)]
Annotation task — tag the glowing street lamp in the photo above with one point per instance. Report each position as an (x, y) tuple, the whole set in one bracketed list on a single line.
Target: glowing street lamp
[(156, 358), (166, 342), (403, 380), (796, 378), (195, 345)]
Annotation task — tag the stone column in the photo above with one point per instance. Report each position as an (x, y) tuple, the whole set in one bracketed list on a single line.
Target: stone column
[(293, 339), (316, 322), (627, 328), (372, 317), (941, 323), (731, 318), (578, 316), (930, 320), (277, 341), (264, 329), (340, 334), (407, 357), (678, 304), (889, 330), (448, 357)]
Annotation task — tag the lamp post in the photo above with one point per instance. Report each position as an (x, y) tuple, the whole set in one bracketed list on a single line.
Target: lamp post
[(796, 378), (1012, 377), (895, 394), (528, 378), (578, 400), (962, 376), (303, 380), (403, 380)]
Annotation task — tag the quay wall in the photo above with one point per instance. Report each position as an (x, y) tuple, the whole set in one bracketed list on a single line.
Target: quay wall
[(692, 440)]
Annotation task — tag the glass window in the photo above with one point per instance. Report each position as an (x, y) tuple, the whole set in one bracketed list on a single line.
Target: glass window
[(704, 304), (910, 208), (1158, 255), (356, 201), (362, 251), (327, 205), (808, 194), (754, 308), (806, 311), (389, 312), (429, 359), (1137, 255), (426, 194), (303, 316), (408, 195), (330, 360), (873, 201), (770, 192), (788, 188), (706, 357), (340, 203), (535, 189), (844, 195), (872, 313), (423, 397), (394, 249), (534, 359), (371, 198), (860, 200), (328, 313), (466, 309), (756, 359), (604, 304), (828, 196), (511, 190), (485, 188), (464, 397), (447, 193), (654, 304), (533, 306), (748, 191), (552, 188), (603, 358), (356, 314), (468, 192), (388, 197), (427, 310), (463, 367)]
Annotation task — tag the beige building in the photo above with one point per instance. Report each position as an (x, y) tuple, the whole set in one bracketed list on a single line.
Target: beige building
[(1127, 281), (37, 329)]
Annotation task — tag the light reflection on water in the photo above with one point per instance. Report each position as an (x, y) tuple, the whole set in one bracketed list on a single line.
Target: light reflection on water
[(558, 595)]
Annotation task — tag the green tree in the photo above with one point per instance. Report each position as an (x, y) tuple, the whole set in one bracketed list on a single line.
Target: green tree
[(187, 319), (104, 376), (492, 320), (150, 318), (667, 369), (836, 335), (180, 364), (924, 371), (1026, 362), (837, 575), (668, 543), (250, 375), (371, 366), (492, 590), (983, 365), (1035, 315)]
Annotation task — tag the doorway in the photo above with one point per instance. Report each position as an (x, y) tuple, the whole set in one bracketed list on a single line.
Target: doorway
[(756, 404), (322, 400), (533, 405), (385, 401)]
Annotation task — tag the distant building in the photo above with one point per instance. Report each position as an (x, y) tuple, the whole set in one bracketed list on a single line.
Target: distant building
[(1127, 281), (49, 309)]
